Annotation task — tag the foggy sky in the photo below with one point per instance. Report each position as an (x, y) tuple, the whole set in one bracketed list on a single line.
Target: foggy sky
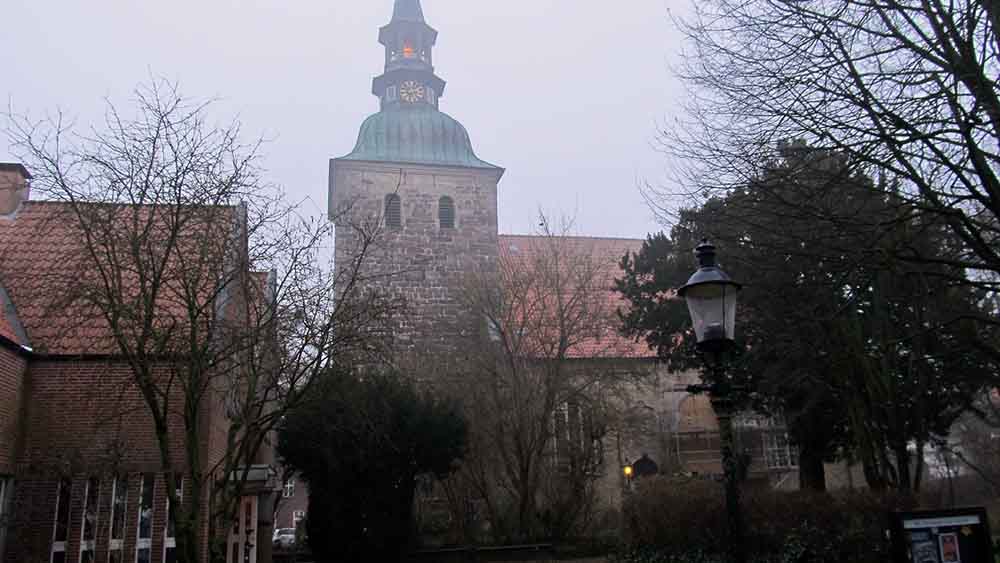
[(565, 94)]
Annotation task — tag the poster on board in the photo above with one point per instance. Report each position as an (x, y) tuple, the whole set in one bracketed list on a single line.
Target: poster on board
[(949, 548)]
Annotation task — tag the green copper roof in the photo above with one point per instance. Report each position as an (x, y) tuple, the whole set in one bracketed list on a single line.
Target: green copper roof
[(408, 10), (416, 136)]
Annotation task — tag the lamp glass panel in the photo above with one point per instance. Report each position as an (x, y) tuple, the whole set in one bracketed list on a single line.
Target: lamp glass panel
[(712, 305)]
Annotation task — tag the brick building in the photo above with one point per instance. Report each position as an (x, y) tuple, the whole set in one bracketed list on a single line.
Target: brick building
[(294, 504), (80, 470)]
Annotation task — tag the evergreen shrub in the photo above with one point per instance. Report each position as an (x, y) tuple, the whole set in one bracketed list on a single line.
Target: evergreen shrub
[(673, 520)]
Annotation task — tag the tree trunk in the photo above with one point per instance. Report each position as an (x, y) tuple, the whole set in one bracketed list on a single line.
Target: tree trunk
[(873, 476), (904, 480), (812, 475)]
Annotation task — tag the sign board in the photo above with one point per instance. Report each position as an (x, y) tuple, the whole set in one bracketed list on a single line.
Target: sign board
[(942, 536)]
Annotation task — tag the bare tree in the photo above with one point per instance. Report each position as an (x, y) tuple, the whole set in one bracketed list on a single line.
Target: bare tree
[(537, 408), (215, 293), (905, 90)]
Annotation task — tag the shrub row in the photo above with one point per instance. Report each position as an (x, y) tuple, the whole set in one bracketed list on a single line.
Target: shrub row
[(670, 520)]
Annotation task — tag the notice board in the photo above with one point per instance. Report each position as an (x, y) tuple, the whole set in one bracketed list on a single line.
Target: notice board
[(942, 536)]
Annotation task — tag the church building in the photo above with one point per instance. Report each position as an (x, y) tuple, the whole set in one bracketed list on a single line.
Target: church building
[(414, 178)]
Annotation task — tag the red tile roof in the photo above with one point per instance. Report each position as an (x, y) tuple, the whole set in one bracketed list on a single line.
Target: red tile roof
[(605, 254), (41, 258)]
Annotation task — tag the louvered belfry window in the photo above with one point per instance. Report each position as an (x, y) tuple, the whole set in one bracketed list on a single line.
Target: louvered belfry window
[(446, 213), (393, 212)]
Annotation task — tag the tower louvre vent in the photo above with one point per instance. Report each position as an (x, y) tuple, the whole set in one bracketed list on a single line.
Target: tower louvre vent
[(393, 211), (446, 213)]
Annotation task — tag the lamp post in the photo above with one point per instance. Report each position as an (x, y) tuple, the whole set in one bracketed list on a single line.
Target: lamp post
[(711, 299)]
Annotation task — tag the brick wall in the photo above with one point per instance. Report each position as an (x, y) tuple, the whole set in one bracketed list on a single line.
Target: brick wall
[(86, 419), (88, 416), (12, 389)]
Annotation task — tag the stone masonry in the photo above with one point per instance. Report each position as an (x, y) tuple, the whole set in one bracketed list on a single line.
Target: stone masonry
[(425, 265)]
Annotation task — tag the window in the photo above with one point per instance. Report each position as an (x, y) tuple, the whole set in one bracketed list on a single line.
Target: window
[(289, 491), (446, 213), (408, 51), (169, 538), (577, 439), (144, 543), (298, 516), (6, 504), (61, 531), (779, 453), (391, 93), (393, 211), (493, 330), (88, 533), (119, 505)]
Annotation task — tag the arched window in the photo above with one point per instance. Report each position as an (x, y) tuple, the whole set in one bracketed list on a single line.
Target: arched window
[(393, 211), (446, 213)]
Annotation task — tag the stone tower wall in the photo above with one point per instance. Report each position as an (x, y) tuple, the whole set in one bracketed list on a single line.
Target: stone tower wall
[(429, 267)]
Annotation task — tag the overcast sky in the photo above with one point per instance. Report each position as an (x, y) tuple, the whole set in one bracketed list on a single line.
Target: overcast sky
[(565, 94)]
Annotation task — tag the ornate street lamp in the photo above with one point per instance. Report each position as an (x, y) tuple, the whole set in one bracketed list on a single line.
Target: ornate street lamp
[(711, 299)]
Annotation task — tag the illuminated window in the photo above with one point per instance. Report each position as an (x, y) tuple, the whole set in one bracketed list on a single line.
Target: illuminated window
[(408, 50)]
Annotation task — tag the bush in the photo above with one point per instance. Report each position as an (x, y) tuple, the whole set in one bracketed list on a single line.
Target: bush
[(673, 520)]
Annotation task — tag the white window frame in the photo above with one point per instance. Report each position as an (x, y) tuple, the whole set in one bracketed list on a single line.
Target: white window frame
[(60, 546), (288, 491), (775, 453), (117, 545), (243, 539), (298, 516), (85, 544), (145, 543), (170, 542)]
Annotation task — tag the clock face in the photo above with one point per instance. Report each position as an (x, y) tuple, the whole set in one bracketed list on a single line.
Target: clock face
[(411, 91)]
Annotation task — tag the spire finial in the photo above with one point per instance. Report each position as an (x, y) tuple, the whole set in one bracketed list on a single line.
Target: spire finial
[(408, 10)]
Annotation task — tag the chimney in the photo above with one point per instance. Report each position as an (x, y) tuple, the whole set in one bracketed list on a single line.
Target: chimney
[(14, 187)]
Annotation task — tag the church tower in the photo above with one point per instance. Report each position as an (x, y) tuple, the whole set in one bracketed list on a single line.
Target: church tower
[(414, 176)]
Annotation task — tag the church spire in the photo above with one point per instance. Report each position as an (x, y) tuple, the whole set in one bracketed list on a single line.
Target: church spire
[(409, 81), (408, 10)]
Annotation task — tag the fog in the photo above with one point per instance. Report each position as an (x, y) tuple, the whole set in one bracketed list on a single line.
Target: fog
[(565, 94)]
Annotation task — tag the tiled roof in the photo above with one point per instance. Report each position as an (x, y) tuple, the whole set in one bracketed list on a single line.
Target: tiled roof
[(606, 255), (41, 258)]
